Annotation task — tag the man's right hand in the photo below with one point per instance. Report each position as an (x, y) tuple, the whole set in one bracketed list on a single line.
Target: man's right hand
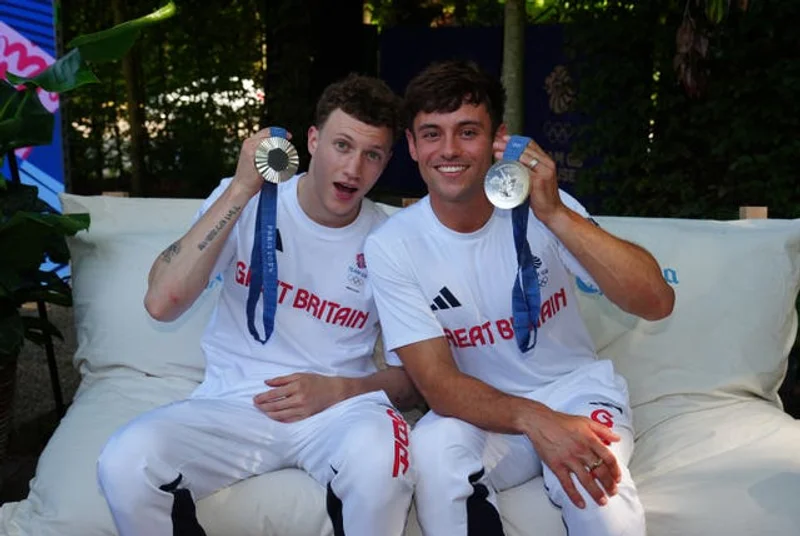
[(574, 444), (247, 177), (181, 273)]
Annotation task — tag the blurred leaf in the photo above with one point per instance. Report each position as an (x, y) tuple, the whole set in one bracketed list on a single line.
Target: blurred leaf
[(23, 120), (65, 74), (715, 10), (113, 43)]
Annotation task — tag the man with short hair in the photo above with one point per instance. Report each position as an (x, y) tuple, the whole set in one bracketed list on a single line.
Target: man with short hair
[(479, 304), (299, 389)]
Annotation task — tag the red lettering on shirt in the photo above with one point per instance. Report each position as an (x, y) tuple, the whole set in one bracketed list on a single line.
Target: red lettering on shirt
[(313, 304), (461, 338), (324, 310), (484, 334), (505, 328), (476, 336), (243, 274), (342, 315), (301, 299), (284, 288), (332, 307), (551, 306)]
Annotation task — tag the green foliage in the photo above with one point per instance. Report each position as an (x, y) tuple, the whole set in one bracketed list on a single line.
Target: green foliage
[(659, 152), (30, 233), (197, 105)]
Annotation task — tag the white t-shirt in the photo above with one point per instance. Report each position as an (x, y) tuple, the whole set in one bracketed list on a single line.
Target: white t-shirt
[(325, 321), (431, 281)]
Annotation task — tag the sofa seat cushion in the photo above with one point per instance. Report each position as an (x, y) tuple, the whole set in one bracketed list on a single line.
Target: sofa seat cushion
[(64, 498), (731, 470)]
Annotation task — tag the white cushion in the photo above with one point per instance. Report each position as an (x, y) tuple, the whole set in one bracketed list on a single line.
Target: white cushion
[(730, 470), (64, 498), (110, 264), (734, 320)]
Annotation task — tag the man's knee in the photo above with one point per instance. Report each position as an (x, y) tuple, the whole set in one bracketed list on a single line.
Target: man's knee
[(623, 515), (123, 458), (443, 452), (377, 452)]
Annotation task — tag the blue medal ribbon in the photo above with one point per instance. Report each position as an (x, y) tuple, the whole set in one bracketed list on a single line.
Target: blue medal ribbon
[(526, 299), (263, 264)]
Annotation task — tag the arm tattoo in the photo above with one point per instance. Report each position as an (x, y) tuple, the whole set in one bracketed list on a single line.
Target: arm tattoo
[(171, 251), (212, 234)]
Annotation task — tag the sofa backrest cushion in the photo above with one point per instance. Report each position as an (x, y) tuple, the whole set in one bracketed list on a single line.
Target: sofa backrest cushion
[(110, 263), (734, 320), (727, 339)]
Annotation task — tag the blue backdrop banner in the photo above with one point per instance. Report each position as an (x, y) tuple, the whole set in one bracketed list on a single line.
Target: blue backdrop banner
[(27, 47)]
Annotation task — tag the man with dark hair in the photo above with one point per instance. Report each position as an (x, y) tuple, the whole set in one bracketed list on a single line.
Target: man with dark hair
[(303, 391), (479, 304)]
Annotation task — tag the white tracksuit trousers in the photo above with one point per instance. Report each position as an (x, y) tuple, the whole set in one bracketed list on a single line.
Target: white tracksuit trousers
[(460, 467), (153, 469)]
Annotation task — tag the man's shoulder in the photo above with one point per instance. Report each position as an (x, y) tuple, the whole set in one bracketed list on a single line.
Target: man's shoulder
[(400, 227), (401, 221)]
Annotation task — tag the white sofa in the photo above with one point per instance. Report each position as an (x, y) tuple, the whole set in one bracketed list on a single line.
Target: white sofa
[(715, 453)]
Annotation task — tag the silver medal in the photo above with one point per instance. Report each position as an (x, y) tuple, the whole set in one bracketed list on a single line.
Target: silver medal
[(507, 184), (276, 159)]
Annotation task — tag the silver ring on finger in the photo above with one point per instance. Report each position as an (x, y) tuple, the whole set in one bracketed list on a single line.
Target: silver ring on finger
[(594, 465), (533, 162)]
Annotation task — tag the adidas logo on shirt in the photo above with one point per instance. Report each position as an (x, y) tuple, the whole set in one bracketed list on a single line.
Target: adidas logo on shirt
[(444, 300)]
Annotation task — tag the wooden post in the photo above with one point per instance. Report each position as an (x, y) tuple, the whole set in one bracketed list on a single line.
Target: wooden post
[(753, 213)]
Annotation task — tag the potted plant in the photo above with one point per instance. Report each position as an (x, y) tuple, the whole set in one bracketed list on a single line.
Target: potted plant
[(30, 231)]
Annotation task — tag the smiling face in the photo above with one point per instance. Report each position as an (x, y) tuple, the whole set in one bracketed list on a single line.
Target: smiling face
[(347, 157), (453, 151)]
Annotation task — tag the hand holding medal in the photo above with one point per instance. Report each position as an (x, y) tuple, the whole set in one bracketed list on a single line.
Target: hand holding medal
[(276, 158), (507, 183)]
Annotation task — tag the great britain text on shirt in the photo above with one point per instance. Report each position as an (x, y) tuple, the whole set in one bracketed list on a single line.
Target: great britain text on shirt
[(490, 332), (327, 311)]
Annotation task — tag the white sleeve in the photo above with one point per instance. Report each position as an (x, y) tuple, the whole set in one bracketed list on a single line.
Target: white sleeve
[(569, 260), (228, 252), (403, 311)]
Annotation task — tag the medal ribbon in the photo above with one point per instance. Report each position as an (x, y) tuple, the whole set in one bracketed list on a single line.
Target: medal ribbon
[(526, 299), (263, 264)]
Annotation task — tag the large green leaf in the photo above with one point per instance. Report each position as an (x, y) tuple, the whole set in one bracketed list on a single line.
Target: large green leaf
[(23, 119), (16, 197), (34, 292), (30, 236), (65, 74), (112, 44)]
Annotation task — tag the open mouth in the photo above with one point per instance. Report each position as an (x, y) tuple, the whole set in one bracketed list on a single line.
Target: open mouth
[(344, 189)]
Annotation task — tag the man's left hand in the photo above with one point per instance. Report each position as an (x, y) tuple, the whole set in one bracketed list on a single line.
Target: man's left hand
[(300, 395), (545, 199)]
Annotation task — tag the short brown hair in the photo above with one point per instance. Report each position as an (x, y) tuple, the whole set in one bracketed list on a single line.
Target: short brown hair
[(444, 86), (368, 99)]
